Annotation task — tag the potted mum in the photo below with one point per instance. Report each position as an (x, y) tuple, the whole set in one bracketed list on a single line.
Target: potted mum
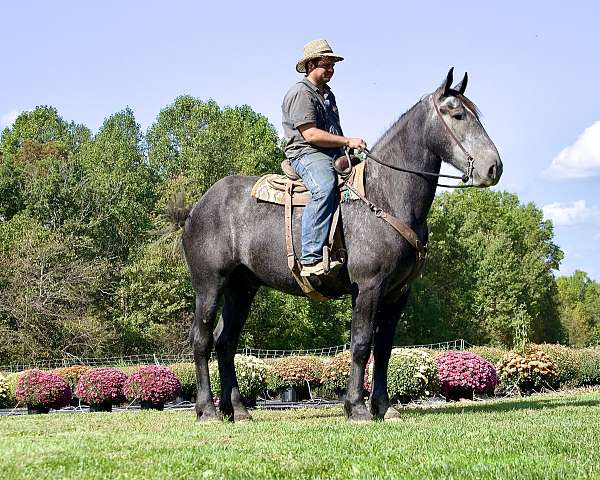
[(292, 376), (251, 373), (41, 391), (101, 388), (153, 386), (463, 374), (71, 376), (336, 371), (412, 374)]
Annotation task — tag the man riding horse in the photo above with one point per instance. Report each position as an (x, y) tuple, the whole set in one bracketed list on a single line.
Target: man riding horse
[(311, 126)]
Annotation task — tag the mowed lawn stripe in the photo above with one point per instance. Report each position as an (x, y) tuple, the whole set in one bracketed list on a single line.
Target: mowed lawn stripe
[(549, 436)]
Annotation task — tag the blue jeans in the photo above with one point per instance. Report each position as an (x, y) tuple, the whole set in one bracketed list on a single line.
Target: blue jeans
[(317, 173)]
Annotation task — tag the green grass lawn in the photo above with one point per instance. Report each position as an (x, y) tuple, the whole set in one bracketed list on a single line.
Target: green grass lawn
[(549, 436)]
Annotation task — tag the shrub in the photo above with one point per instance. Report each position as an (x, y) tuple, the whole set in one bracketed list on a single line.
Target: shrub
[(568, 362), (11, 382), (186, 374), (294, 371), (71, 374), (152, 383), (3, 392), (527, 373), (101, 385), (42, 389), (251, 374), (336, 371), (491, 354), (412, 374), (462, 374), (589, 372)]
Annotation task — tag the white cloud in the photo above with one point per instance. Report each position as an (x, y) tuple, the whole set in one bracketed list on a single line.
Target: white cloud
[(580, 160), (571, 213), (7, 119)]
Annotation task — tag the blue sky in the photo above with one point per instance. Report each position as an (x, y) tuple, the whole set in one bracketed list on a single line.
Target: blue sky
[(534, 71)]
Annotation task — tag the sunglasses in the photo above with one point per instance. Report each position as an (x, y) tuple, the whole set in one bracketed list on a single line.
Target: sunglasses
[(327, 65)]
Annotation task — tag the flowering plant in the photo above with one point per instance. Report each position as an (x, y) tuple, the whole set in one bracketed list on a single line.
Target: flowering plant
[(463, 373), (152, 383), (71, 374), (42, 389), (412, 374), (294, 371), (527, 373), (186, 374), (336, 371), (251, 373), (101, 385), (3, 391)]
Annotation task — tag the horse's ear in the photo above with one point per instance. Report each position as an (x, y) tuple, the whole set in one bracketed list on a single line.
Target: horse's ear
[(461, 86), (447, 83)]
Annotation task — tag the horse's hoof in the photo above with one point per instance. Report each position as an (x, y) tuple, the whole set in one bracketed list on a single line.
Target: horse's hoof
[(362, 415), (242, 418), (206, 419), (392, 415)]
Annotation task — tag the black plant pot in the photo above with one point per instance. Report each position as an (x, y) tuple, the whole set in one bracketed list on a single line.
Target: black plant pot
[(294, 394), (148, 405), (101, 407), (249, 402), (37, 409), (74, 402), (340, 393)]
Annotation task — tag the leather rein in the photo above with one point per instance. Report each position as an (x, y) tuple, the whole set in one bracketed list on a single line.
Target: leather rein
[(403, 229), (464, 178)]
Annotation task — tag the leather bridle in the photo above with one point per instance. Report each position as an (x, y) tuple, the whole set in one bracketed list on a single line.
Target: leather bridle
[(464, 178)]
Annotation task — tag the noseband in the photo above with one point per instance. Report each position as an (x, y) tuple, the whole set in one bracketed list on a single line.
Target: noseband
[(464, 178)]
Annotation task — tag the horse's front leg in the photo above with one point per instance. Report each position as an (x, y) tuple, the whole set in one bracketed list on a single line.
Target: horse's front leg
[(363, 317), (385, 326)]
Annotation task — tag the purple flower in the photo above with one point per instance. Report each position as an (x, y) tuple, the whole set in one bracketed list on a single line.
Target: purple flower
[(465, 373), (101, 385), (42, 389), (152, 383)]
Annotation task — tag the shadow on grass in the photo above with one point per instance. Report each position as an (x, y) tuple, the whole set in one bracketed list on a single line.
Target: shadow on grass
[(504, 406)]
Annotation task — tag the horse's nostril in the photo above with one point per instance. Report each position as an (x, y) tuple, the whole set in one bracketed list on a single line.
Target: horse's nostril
[(492, 172)]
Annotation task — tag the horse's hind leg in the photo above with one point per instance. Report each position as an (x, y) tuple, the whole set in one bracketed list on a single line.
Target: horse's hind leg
[(201, 337), (238, 296)]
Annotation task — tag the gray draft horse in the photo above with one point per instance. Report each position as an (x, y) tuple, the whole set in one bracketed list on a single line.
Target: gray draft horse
[(233, 245)]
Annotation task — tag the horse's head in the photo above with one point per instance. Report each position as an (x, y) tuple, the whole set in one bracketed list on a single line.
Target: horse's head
[(456, 135)]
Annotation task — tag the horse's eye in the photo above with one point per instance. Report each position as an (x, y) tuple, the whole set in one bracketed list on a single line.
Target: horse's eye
[(458, 114)]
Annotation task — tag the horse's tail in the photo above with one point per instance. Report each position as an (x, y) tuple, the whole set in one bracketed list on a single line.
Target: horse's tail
[(178, 211)]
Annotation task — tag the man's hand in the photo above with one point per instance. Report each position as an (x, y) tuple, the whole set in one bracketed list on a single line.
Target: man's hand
[(356, 144)]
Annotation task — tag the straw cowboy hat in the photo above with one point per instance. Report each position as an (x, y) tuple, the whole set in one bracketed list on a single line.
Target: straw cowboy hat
[(316, 49)]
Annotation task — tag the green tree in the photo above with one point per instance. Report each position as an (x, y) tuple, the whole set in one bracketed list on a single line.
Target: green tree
[(579, 300), (47, 294), (119, 192), (37, 168), (489, 276)]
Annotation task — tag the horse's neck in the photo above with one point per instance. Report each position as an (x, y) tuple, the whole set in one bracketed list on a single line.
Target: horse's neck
[(407, 196)]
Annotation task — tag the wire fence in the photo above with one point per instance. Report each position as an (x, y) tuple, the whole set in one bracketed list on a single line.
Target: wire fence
[(124, 360)]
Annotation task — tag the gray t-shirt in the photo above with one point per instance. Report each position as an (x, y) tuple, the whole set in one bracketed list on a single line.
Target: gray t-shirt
[(303, 104)]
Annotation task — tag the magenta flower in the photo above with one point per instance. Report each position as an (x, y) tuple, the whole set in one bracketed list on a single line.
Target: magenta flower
[(152, 383), (42, 389), (101, 385), (463, 373)]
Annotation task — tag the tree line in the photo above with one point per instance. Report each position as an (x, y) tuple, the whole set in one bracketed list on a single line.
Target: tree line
[(89, 265)]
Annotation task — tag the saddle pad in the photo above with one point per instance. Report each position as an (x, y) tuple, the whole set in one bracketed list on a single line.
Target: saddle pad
[(272, 186)]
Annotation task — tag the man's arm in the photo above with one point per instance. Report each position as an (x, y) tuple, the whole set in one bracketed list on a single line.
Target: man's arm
[(324, 139)]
